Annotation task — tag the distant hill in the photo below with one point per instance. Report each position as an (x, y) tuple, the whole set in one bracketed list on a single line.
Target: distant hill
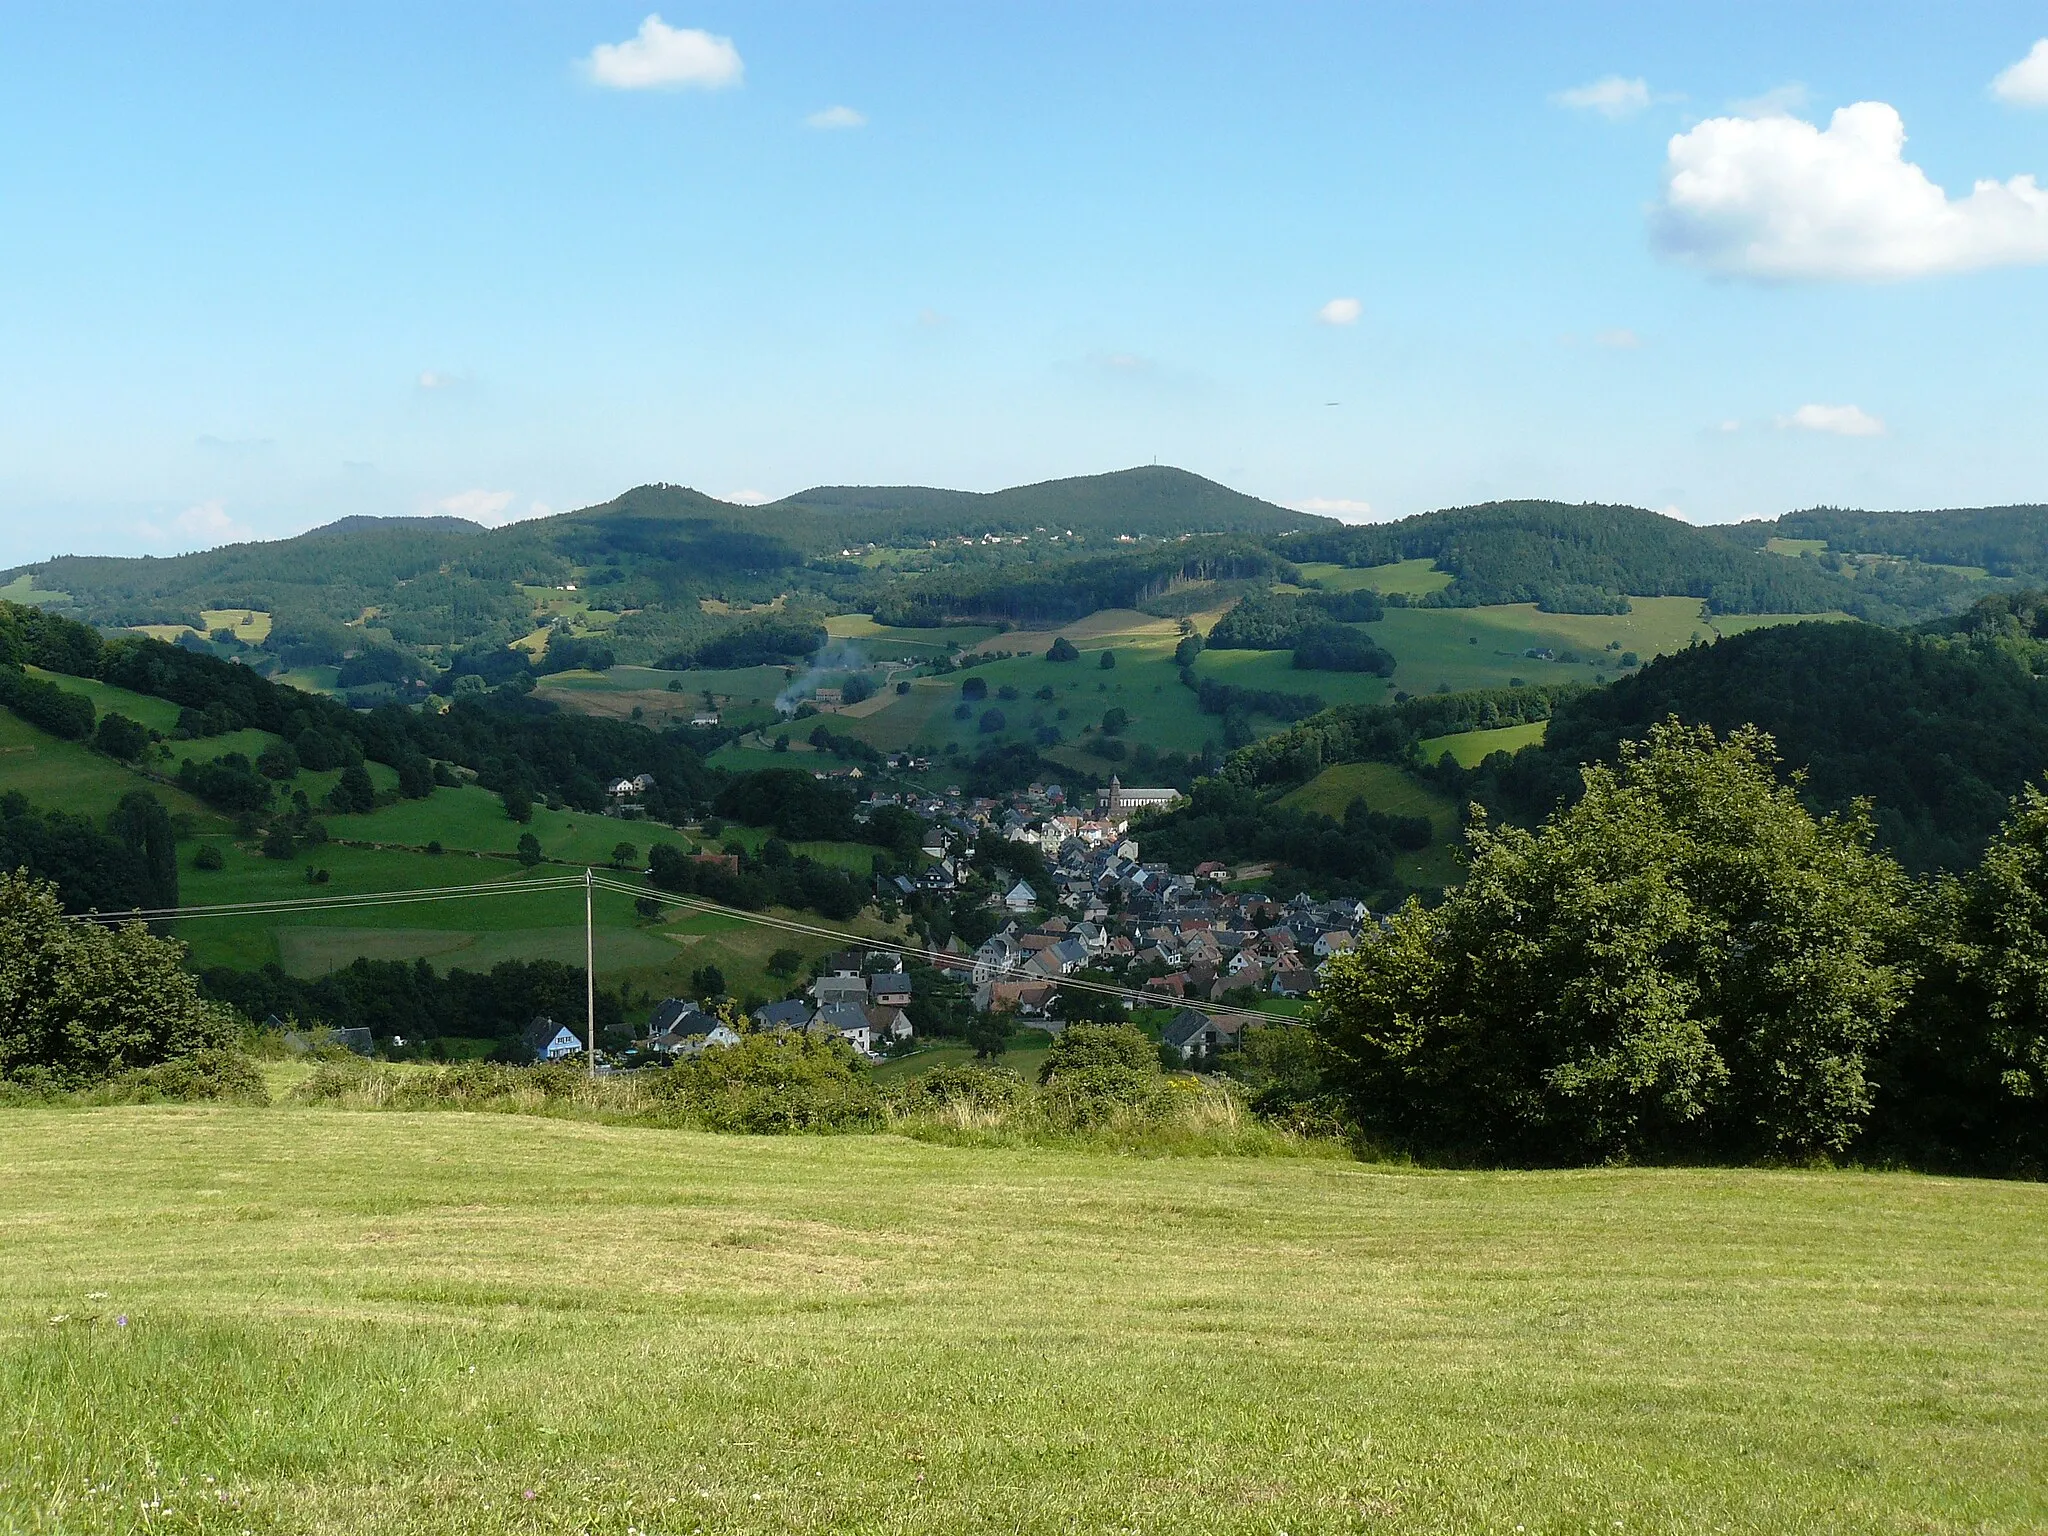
[(441, 582), (2007, 542), (1581, 559), (1153, 501), (1937, 729)]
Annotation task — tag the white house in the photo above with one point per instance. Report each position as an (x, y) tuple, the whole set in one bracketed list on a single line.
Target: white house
[(1020, 897)]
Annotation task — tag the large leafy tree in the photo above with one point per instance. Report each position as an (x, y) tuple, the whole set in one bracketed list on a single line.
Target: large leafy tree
[(1967, 1079), (1684, 964), (80, 1002)]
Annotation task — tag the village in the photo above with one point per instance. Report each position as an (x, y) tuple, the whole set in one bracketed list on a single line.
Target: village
[(1107, 926)]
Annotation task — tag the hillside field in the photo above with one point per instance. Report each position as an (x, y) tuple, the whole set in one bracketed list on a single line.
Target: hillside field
[(1436, 649), (333, 1322), (1386, 788)]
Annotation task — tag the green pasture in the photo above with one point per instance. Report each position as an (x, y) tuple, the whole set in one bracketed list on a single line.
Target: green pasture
[(1275, 670), (23, 589), (742, 756), (858, 857), (1396, 792), (311, 679), (1470, 748), (1436, 649), (143, 709), (60, 775), (744, 695), (1462, 648), (251, 626), (1414, 578), (332, 1322), (472, 933), (1025, 1056), (468, 818), (1794, 548), (885, 640)]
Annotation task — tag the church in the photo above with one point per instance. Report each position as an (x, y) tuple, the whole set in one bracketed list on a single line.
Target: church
[(1117, 801)]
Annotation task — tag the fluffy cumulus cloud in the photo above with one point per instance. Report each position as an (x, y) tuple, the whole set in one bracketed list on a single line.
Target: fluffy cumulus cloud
[(660, 56), (2025, 84), (1835, 420), (1333, 506), (209, 521), (1779, 198), (837, 117), (479, 506), (1340, 312), (1611, 96), (750, 498)]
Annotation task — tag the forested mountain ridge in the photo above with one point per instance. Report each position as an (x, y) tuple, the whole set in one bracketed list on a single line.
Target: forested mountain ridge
[(1938, 729), (1581, 559), (2010, 542)]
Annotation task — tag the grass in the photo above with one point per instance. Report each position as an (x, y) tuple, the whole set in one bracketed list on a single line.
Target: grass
[(250, 625), (1470, 748), (1416, 578), (1392, 790), (66, 775), (23, 589), (342, 1322)]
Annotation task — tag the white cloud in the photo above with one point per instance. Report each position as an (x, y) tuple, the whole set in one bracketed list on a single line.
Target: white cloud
[(1333, 506), (209, 523), (1730, 425), (750, 498), (1838, 420), (2025, 84), (1621, 339), (433, 378), (1611, 96), (1778, 198), (479, 506), (837, 117), (660, 56), (1340, 312), (1776, 102)]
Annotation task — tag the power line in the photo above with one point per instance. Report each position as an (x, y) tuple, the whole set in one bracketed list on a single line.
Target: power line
[(588, 881), (909, 951)]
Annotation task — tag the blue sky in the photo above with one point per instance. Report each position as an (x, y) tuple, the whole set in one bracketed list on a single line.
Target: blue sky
[(262, 266)]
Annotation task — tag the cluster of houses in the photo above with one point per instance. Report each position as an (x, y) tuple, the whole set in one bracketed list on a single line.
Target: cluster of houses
[(1180, 936), (868, 1010)]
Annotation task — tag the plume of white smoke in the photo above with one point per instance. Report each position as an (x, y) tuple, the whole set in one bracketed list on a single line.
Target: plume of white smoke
[(833, 656)]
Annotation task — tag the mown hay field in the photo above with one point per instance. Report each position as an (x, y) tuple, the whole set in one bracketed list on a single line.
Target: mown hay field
[(325, 1321)]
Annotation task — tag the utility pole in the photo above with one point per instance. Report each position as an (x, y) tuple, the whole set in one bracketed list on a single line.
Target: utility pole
[(589, 972)]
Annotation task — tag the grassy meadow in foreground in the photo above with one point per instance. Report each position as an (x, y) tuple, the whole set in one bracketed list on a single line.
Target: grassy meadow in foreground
[(295, 1320)]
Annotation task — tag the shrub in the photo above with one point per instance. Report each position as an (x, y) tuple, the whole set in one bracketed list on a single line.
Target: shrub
[(974, 688), (1082, 1046), (968, 1086), (1108, 662), (208, 857), (1095, 1096), (81, 1002), (216, 1076), (1062, 649), (774, 1084), (120, 737), (993, 721), (278, 761)]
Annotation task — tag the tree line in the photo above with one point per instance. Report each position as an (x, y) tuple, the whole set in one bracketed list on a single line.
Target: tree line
[(1686, 964)]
